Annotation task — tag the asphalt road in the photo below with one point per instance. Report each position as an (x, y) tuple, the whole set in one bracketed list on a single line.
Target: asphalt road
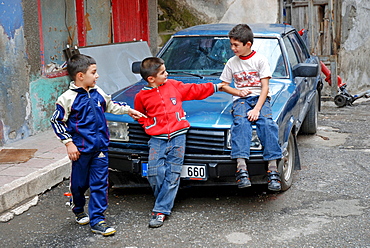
[(328, 204)]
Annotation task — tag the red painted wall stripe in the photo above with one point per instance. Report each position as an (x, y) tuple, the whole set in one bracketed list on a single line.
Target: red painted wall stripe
[(81, 27)]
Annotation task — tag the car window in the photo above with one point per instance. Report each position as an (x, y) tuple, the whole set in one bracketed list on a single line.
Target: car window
[(293, 59), (207, 55), (270, 48), (302, 56), (202, 54)]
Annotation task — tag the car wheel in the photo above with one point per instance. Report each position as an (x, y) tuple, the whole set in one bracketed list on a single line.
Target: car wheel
[(309, 125), (286, 165)]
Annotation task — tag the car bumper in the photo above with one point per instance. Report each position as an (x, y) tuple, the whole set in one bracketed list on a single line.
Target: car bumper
[(126, 168)]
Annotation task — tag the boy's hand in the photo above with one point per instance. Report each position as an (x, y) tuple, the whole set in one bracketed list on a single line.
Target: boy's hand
[(253, 115), (135, 114), (244, 92), (73, 152)]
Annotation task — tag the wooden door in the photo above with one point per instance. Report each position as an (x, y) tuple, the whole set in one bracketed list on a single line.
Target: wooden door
[(319, 18)]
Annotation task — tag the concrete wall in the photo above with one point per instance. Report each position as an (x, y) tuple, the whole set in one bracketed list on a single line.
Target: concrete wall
[(231, 11), (241, 11), (354, 52)]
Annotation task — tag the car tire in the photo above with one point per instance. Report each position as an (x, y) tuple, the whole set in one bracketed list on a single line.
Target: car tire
[(309, 125), (286, 164)]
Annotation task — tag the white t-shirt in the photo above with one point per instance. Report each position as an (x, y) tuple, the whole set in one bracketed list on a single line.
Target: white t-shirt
[(247, 72)]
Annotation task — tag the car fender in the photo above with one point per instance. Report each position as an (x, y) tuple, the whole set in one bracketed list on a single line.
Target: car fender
[(291, 128)]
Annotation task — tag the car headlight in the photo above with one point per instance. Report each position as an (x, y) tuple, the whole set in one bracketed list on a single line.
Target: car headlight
[(255, 141), (118, 131)]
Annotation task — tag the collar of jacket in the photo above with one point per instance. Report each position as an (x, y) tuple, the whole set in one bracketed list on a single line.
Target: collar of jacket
[(148, 87), (72, 86)]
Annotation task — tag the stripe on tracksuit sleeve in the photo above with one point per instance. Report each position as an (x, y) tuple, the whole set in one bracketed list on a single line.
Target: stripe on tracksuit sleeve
[(61, 114)]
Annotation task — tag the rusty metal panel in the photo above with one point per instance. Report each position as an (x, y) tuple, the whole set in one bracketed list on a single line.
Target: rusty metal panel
[(57, 25), (98, 22), (130, 20)]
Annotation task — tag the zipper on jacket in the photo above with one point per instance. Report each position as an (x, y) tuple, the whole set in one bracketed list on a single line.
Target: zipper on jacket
[(95, 123), (165, 111)]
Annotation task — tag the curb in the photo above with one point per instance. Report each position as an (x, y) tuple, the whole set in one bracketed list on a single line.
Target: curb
[(30, 186)]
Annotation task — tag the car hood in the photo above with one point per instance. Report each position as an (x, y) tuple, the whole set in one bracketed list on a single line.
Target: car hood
[(212, 112)]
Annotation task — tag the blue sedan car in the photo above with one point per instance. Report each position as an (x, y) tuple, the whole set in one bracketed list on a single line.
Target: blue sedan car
[(197, 55)]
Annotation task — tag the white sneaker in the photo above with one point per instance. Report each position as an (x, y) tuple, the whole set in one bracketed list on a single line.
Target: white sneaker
[(82, 218)]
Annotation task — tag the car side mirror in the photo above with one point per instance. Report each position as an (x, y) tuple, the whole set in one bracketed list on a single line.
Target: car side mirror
[(305, 70), (135, 68)]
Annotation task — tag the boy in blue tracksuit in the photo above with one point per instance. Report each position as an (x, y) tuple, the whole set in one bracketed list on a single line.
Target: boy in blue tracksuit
[(79, 122)]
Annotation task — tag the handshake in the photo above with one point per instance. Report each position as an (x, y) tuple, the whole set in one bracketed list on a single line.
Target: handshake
[(225, 87)]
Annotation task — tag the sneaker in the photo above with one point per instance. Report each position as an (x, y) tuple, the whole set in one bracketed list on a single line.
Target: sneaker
[(242, 179), (274, 181), (157, 220), (103, 229), (82, 218)]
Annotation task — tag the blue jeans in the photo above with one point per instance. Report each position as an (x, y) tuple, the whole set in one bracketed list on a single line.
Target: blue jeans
[(164, 168), (90, 171), (241, 130)]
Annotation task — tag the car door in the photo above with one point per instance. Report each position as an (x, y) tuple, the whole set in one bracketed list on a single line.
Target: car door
[(297, 54)]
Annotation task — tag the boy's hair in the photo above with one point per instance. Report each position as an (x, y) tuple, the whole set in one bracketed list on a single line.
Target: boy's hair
[(150, 67), (242, 33), (79, 63)]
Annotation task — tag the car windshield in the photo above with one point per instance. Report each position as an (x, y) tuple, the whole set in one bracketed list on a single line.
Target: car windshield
[(207, 55)]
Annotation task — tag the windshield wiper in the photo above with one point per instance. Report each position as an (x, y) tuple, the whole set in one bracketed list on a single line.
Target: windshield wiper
[(186, 73)]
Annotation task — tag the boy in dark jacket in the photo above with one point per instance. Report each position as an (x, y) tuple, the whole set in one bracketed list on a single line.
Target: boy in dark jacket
[(161, 101), (79, 122)]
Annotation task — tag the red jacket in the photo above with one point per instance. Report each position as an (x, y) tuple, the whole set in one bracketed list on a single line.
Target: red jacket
[(163, 106)]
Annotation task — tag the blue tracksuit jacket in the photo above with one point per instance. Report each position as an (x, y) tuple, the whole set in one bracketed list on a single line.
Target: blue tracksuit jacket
[(79, 117)]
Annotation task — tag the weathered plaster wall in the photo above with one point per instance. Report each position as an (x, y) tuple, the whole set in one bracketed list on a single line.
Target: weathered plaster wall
[(26, 98), (15, 104), (45, 92), (355, 45)]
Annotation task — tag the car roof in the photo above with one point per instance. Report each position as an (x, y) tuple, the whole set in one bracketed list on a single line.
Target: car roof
[(222, 29)]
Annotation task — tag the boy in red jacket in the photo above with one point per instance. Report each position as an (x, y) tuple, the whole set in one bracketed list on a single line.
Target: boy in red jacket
[(161, 101)]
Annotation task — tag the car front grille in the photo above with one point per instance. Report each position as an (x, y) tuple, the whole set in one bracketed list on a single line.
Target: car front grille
[(137, 135), (196, 139)]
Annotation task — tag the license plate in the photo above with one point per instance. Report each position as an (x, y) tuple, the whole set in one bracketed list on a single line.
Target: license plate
[(144, 169), (194, 172)]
